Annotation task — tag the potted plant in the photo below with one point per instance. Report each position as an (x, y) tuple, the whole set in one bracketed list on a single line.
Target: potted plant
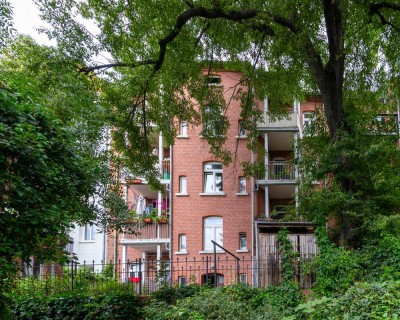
[(163, 219), (134, 217)]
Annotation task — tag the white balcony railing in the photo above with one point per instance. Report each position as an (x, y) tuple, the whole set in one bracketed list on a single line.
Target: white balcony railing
[(279, 171), (287, 122)]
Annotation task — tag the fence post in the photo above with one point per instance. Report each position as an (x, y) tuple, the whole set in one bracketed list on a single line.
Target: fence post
[(215, 265), (140, 276)]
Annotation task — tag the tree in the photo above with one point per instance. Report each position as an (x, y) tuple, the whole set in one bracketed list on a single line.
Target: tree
[(344, 50), (45, 181)]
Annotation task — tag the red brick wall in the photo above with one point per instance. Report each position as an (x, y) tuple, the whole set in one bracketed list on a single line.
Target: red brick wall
[(189, 156)]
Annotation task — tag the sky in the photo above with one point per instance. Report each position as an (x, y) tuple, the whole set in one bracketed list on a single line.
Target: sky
[(26, 20)]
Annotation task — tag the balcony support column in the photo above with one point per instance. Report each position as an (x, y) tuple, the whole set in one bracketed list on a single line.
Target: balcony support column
[(124, 265), (267, 202), (266, 154)]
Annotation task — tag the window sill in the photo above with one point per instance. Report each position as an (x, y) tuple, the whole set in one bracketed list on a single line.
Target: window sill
[(211, 251), (87, 241), (242, 250), (182, 194), (181, 252), (242, 194), (212, 194), (182, 137), (241, 137)]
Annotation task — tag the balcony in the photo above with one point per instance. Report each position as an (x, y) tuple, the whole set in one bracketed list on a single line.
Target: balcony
[(151, 233), (279, 172), (166, 169), (289, 122)]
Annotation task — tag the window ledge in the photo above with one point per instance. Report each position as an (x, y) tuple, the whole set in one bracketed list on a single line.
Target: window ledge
[(212, 194), (182, 137), (181, 194), (87, 241), (242, 194), (242, 250), (181, 252), (241, 137), (211, 251)]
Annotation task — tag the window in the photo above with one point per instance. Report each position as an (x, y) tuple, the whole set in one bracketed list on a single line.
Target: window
[(183, 128), (242, 241), (308, 118), (242, 131), (213, 121), (214, 81), (89, 232), (182, 242), (242, 184), (70, 246), (182, 281), (243, 278), (212, 231), (182, 184), (213, 177)]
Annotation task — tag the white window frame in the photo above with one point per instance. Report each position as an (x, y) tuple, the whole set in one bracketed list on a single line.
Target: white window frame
[(213, 230), (242, 235), (241, 129), (308, 118), (213, 177), (183, 184), (183, 129), (89, 232), (243, 278), (182, 242), (242, 184)]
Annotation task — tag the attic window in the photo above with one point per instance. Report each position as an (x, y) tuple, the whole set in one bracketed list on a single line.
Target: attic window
[(214, 81)]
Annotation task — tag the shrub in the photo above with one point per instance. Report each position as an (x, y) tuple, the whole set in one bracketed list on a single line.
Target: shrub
[(72, 306), (231, 302), (169, 295), (362, 301)]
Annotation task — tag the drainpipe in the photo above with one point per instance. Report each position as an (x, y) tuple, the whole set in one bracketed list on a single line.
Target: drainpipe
[(170, 201)]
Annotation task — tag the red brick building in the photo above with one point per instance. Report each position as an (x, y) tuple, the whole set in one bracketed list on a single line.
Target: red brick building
[(206, 200)]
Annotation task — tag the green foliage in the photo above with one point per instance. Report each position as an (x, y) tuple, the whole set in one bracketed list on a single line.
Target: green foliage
[(74, 306), (287, 255), (362, 301), (171, 294), (233, 302)]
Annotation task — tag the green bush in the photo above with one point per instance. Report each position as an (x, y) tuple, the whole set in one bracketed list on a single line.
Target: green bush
[(110, 306), (231, 302), (169, 295), (362, 301)]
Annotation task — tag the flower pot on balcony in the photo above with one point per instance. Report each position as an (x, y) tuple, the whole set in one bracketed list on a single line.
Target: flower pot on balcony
[(162, 220), (148, 220)]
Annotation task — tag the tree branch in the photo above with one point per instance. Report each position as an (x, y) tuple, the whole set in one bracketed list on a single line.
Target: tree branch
[(374, 9)]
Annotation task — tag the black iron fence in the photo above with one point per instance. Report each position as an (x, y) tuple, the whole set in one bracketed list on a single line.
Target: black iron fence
[(145, 276)]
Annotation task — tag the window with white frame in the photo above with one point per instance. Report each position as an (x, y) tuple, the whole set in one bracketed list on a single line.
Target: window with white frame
[(213, 80), (213, 230), (213, 121), (213, 177), (242, 241), (182, 184), (182, 242), (242, 131), (308, 118), (242, 184), (183, 128), (89, 232), (243, 278)]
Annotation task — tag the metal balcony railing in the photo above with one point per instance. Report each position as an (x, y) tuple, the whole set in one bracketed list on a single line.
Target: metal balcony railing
[(279, 171), (148, 231)]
